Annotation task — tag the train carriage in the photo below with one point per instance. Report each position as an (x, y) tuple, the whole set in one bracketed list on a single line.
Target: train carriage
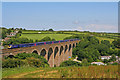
[(38, 43)]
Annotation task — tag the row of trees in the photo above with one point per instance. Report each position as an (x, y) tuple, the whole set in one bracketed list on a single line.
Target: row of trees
[(18, 41), (23, 40)]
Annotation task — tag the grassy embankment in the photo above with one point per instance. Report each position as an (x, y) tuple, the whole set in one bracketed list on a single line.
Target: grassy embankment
[(110, 71)]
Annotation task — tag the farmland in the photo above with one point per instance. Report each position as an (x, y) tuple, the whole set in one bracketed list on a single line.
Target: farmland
[(32, 34), (110, 71), (102, 38), (40, 36)]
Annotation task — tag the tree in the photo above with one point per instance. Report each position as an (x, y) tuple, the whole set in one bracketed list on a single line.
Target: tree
[(70, 63), (106, 42), (3, 35), (113, 58), (85, 62), (12, 28), (8, 31), (116, 43), (51, 29), (46, 39), (53, 39), (19, 31), (20, 28), (105, 61), (36, 40)]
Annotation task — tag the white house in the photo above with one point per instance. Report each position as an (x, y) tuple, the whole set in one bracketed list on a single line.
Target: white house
[(107, 57), (98, 63)]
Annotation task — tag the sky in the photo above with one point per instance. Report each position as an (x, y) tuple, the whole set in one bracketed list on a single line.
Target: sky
[(81, 16)]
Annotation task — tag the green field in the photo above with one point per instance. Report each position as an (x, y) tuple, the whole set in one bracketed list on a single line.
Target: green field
[(102, 38), (41, 36), (109, 71)]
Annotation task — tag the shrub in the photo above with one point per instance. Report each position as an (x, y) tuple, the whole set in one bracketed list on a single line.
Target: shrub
[(115, 63), (35, 62), (27, 55), (11, 63), (25, 59), (69, 63)]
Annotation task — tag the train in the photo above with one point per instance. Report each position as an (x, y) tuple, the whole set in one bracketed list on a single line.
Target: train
[(11, 46)]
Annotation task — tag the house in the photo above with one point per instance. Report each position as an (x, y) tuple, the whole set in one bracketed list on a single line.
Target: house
[(16, 31), (12, 34), (39, 32), (6, 39), (108, 57), (98, 63), (105, 57)]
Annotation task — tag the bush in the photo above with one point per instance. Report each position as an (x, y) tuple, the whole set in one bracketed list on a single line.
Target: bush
[(25, 59), (85, 62), (47, 39), (69, 63), (115, 63), (35, 62), (12, 63)]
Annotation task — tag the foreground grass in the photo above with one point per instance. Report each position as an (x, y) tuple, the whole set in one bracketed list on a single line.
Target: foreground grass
[(12, 71), (110, 71), (41, 36)]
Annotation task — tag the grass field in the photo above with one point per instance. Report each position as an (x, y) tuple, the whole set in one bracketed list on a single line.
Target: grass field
[(102, 38), (59, 36), (110, 71), (41, 36), (69, 32)]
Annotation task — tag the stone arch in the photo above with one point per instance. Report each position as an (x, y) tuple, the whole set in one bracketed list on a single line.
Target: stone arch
[(66, 47), (69, 47), (76, 44), (10, 56), (35, 51), (43, 52), (61, 49), (73, 45), (55, 51), (50, 51)]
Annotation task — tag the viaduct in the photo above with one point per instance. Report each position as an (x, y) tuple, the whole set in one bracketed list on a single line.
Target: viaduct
[(53, 53)]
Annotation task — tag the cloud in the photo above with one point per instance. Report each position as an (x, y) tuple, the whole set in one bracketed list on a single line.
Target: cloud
[(99, 27), (76, 22)]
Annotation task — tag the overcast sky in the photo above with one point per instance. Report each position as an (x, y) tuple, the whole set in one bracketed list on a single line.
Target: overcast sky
[(82, 16)]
